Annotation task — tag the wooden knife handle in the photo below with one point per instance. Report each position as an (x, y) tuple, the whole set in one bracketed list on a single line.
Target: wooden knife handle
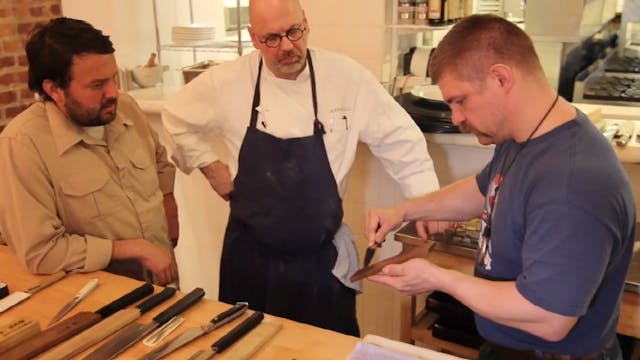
[(47, 281), (52, 336), (92, 335), (17, 331)]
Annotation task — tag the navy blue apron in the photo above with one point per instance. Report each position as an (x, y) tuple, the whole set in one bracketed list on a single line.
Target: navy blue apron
[(285, 210)]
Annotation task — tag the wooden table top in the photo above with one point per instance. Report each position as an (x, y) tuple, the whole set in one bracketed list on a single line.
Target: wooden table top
[(294, 341)]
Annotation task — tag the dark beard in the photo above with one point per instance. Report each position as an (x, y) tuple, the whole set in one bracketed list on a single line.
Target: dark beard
[(88, 117)]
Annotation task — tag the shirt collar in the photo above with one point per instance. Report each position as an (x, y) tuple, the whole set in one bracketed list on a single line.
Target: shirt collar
[(66, 134)]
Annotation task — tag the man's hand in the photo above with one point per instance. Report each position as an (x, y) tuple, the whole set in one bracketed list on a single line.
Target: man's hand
[(380, 222), (171, 212), (219, 177), (156, 259), (412, 277)]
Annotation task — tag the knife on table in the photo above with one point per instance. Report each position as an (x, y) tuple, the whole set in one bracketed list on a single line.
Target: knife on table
[(73, 325), (76, 299), (106, 327), (229, 338), (136, 331), (18, 296), (193, 333)]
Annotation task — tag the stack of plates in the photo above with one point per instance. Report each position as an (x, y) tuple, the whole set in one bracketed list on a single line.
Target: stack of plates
[(192, 35)]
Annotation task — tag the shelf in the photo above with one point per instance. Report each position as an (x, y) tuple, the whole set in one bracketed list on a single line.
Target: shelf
[(213, 47), (421, 334)]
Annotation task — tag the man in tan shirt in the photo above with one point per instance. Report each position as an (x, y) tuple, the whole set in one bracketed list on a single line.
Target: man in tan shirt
[(84, 177)]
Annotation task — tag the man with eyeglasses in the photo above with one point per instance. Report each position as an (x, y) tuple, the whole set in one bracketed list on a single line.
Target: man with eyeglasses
[(292, 118)]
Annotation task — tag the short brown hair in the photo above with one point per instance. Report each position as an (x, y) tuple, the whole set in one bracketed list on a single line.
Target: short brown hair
[(479, 41)]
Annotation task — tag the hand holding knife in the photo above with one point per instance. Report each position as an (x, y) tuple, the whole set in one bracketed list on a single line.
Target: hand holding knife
[(76, 299), (193, 333)]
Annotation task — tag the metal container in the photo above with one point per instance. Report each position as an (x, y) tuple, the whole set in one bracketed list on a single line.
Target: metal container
[(190, 72)]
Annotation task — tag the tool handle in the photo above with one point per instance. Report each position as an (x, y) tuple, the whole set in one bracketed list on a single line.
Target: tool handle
[(236, 309), (125, 300), (87, 289), (237, 332), (156, 299), (179, 306), (47, 281), (52, 336)]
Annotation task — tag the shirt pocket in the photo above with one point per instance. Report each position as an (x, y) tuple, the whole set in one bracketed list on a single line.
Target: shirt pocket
[(80, 194), (144, 174)]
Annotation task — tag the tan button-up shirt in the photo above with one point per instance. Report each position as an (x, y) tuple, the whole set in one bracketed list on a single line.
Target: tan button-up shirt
[(65, 195)]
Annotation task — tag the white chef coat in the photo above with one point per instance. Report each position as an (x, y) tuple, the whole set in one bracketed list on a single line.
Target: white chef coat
[(352, 105)]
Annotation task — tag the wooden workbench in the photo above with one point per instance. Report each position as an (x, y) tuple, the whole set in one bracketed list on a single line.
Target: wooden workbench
[(294, 341)]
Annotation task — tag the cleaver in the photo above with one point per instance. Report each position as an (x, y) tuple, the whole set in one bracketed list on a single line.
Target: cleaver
[(18, 296), (418, 251)]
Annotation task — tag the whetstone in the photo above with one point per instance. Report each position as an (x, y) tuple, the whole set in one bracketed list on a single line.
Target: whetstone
[(253, 341), (15, 332)]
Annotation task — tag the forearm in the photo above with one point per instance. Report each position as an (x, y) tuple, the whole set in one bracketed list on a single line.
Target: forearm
[(459, 201), (500, 301)]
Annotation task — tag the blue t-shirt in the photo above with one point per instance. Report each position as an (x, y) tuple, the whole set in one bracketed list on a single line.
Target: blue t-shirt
[(563, 228)]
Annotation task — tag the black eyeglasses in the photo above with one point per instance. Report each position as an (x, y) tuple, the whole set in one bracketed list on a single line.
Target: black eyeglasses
[(274, 40)]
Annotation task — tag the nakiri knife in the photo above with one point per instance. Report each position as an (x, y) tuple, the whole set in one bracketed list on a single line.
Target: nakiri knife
[(106, 327), (73, 325), (18, 296), (193, 333), (136, 331), (229, 338), (76, 299)]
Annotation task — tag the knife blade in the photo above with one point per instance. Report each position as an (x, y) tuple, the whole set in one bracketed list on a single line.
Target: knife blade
[(136, 331), (368, 255), (229, 338), (106, 327), (76, 299), (73, 325), (17, 297), (193, 333)]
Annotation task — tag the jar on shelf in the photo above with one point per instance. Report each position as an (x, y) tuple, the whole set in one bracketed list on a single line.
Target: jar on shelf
[(421, 13), (406, 12)]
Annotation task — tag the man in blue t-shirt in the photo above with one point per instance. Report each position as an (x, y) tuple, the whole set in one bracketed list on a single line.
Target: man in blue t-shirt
[(556, 205)]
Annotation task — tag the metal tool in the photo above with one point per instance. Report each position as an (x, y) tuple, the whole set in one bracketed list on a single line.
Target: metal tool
[(106, 327), (73, 325), (368, 255), (160, 333), (136, 331), (193, 333), (228, 339), (76, 299), (18, 296)]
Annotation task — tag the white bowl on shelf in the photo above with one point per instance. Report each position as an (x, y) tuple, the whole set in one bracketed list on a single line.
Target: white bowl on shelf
[(148, 76)]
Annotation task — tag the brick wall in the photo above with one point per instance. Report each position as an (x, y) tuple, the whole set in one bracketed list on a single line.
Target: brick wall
[(17, 18)]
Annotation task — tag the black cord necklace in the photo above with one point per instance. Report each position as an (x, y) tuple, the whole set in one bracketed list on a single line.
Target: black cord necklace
[(504, 171)]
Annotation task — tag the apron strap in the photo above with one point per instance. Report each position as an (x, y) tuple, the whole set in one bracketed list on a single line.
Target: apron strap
[(318, 128)]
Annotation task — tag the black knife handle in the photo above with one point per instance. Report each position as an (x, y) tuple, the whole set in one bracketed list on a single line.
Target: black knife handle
[(179, 306), (125, 300), (156, 299), (225, 314), (237, 332)]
